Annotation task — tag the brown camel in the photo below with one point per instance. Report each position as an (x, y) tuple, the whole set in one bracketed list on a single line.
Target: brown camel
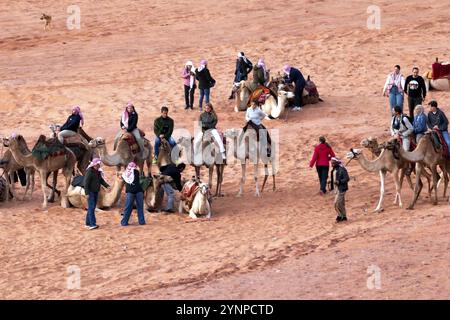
[(246, 147), (65, 161), (211, 159), (426, 155), (123, 155), (164, 154)]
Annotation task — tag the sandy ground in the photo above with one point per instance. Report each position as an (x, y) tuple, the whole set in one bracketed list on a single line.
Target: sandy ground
[(283, 245)]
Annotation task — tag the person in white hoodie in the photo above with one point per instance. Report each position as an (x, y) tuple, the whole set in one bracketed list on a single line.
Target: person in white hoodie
[(188, 75), (394, 88), (401, 127)]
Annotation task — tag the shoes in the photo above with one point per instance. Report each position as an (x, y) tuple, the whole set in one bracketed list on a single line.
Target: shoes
[(321, 193), (151, 210), (169, 211), (191, 107), (187, 107), (340, 219), (297, 109), (93, 227)]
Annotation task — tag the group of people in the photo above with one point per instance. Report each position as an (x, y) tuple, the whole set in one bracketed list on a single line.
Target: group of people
[(190, 75)]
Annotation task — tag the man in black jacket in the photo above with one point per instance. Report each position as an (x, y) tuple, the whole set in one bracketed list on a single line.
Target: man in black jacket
[(205, 82), (437, 120), (71, 126), (128, 123), (175, 172), (416, 90), (93, 179), (135, 194), (341, 182), (242, 69), (293, 75)]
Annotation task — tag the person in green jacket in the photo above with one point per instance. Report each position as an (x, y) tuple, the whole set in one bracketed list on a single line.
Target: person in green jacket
[(208, 120), (93, 179), (163, 128)]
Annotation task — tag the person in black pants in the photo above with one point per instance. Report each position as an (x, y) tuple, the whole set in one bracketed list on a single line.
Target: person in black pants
[(416, 90), (321, 158), (135, 194), (188, 76), (293, 75)]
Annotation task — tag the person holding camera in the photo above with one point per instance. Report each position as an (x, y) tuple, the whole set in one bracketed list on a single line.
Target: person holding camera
[(205, 82), (188, 76)]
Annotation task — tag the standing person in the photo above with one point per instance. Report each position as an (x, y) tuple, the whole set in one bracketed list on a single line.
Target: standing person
[(394, 88), (416, 90), (321, 158), (208, 120), (188, 76), (93, 179), (71, 126), (293, 75), (420, 122), (163, 128), (135, 194), (437, 120), (205, 82), (128, 123), (173, 171), (242, 69), (401, 127), (341, 181)]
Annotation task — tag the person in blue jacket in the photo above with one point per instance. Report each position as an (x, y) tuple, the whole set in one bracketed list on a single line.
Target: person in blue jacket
[(420, 122)]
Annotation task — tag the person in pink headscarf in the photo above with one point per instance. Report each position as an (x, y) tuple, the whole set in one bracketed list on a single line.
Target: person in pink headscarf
[(188, 75), (205, 82), (71, 126), (260, 75), (128, 123)]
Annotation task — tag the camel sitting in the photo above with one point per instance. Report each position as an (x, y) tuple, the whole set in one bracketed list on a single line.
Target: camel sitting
[(64, 160), (200, 203), (274, 108), (123, 155)]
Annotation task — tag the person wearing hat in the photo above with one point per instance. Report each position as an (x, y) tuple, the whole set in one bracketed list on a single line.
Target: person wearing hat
[(188, 76), (135, 194), (341, 180), (242, 69), (254, 117), (437, 120), (205, 82), (321, 159), (402, 127), (293, 75), (71, 126), (260, 75), (93, 179)]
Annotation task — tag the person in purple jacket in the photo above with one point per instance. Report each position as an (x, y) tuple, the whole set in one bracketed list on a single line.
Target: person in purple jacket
[(188, 75)]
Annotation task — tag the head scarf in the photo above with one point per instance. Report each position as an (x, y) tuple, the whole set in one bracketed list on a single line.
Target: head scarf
[(262, 64), (189, 63), (337, 161), (287, 69), (94, 162), (77, 110), (242, 55), (203, 64), (125, 115), (128, 174), (192, 77)]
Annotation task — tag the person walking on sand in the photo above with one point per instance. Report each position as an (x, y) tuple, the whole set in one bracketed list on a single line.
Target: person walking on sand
[(93, 179), (340, 178), (394, 88), (416, 90), (135, 194), (188, 75), (321, 158), (205, 82)]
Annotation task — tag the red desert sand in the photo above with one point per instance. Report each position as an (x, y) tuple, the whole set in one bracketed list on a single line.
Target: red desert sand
[(283, 245)]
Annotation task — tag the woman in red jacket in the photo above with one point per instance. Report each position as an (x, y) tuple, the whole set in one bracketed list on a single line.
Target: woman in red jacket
[(321, 158)]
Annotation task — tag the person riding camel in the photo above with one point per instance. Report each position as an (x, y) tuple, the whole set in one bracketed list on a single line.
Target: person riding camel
[(208, 120), (260, 75), (402, 127), (163, 128), (254, 117), (293, 75), (71, 126), (243, 68), (128, 123)]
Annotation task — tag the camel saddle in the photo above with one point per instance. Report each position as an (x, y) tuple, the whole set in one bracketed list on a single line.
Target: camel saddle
[(131, 140), (439, 144), (260, 90), (45, 148), (189, 191)]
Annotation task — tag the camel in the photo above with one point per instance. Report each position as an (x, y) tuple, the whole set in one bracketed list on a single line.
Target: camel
[(200, 204), (11, 166), (438, 84), (426, 155), (164, 154), (251, 150), (123, 154), (274, 108), (3, 185), (65, 161), (213, 159)]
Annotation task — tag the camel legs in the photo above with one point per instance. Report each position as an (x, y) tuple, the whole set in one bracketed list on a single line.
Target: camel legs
[(219, 170), (43, 176), (266, 174), (418, 187), (241, 187), (10, 186), (255, 177), (398, 188), (68, 176), (53, 186), (210, 175), (30, 182), (379, 207)]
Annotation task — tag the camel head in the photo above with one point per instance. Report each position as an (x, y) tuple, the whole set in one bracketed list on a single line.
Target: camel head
[(354, 154), (5, 141), (285, 94), (370, 143), (204, 189), (97, 142)]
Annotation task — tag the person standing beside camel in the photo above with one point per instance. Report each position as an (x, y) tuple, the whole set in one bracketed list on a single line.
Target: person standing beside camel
[(341, 181), (205, 82), (394, 88), (163, 128), (293, 75), (92, 181), (173, 171), (71, 126), (135, 194), (416, 90), (321, 158), (188, 76), (437, 120)]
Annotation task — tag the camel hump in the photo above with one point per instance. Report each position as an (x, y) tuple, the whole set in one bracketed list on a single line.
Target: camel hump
[(45, 148)]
